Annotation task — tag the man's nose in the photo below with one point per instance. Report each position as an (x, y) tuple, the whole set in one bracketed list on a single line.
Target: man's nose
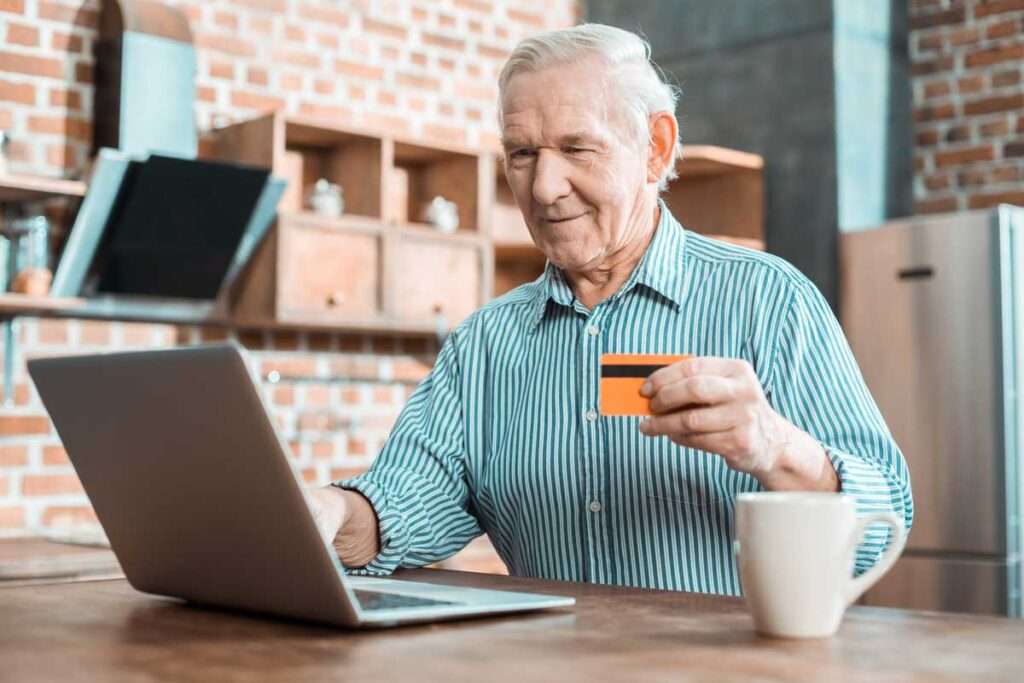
[(550, 178)]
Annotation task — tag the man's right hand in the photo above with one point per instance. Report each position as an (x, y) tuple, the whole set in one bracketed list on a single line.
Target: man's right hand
[(346, 521)]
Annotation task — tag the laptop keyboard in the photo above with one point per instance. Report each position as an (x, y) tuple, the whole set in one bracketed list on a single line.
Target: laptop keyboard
[(371, 600)]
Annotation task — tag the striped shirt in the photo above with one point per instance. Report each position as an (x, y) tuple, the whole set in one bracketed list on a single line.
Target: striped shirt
[(504, 438)]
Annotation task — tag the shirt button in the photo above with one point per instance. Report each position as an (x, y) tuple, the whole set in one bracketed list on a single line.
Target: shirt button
[(595, 506), (592, 330), (591, 415)]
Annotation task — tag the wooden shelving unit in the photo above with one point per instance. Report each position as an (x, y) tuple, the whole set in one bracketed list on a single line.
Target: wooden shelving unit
[(19, 188), (377, 266)]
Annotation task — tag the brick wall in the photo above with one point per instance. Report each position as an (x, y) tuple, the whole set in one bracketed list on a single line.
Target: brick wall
[(426, 69), (967, 58)]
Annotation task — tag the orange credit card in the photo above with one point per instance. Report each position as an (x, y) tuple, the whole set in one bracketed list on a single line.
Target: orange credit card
[(622, 375)]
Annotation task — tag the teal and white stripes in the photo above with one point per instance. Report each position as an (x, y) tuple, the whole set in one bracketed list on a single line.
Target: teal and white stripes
[(504, 437)]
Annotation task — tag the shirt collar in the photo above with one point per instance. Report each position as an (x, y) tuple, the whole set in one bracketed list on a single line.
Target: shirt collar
[(660, 270)]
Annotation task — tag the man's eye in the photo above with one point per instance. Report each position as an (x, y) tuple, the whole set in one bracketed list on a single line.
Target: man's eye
[(520, 154), (575, 150)]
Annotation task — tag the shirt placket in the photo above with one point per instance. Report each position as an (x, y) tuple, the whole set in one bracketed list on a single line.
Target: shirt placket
[(595, 494)]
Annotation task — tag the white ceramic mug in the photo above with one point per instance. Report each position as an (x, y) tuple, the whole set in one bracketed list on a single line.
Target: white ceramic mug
[(795, 552)]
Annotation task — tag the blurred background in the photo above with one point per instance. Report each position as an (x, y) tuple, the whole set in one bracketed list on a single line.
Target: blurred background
[(321, 181)]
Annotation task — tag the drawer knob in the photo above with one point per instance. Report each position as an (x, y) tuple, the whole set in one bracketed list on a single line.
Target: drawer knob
[(335, 299)]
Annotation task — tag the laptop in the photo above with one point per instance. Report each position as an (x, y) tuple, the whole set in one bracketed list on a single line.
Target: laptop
[(192, 484)]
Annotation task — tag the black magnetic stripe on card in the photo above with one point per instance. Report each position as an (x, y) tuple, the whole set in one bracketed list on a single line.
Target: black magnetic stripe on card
[(638, 371)]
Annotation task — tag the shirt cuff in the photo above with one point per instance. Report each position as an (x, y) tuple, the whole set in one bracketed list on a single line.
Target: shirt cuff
[(392, 527), (874, 491)]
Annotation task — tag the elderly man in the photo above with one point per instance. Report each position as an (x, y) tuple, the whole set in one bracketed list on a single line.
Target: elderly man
[(504, 436)]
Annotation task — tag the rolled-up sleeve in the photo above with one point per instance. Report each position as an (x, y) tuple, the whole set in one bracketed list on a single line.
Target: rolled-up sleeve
[(816, 384), (417, 484)]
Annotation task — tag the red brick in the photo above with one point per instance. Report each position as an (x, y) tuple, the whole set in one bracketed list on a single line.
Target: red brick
[(970, 84), (1006, 78), (227, 20), (321, 14), (291, 82), (971, 178), (261, 26), (340, 473), (300, 58), (418, 58), (94, 333), (964, 156), (358, 70), (984, 201), (222, 70), (445, 134), (386, 98), (12, 517), (475, 5), (323, 87), (934, 113), (447, 42), (12, 425), (20, 34), (21, 93), (964, 36), (997, 7), (1003, 29), (15, 6), (1014, 148), (936, 89), (77, 14), (937, 181), (994, 55), (939, 205), (529, 18), (293, 366), (954, 15), (929, 42), (498, 52), (231, 45), (356, 446), (1008, 174), (6, 121), (328, 40), (990, 105), (32, 66), (251, 100), (55, 455), (446, 20), (384, 28), (386, 123), (69, 516), (206, 94), (66, 42), (71, 99), (294, 33), (927, 138), (408, 80), (284, 396), (311, 477), (49, 484), (322, 450), (13, 455), (21, 394), (317, 396), (327, 113), (84, 73), (998, 128), (351, 396), (277, 6)]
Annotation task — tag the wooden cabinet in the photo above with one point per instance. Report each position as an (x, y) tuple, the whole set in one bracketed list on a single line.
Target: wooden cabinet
[(379, 266)]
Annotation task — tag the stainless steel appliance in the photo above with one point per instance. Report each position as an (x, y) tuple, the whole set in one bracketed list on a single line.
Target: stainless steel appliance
[(932, 307)]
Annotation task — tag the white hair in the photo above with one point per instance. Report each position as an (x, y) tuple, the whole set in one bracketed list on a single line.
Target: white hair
[(642, 90)]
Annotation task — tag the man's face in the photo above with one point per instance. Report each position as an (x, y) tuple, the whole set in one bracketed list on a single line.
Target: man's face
[(577, 177)]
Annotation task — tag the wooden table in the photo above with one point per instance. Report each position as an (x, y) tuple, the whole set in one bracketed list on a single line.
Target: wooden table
[(105, 631)]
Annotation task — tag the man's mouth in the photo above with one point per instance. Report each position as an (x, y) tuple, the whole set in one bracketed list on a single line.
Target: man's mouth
[(562, 220)]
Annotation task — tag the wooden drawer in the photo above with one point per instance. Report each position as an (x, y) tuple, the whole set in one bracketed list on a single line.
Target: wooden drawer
[(434, 275), (327, 268)]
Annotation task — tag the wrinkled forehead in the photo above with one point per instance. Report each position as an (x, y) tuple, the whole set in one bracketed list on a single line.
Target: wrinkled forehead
[(563, 96)]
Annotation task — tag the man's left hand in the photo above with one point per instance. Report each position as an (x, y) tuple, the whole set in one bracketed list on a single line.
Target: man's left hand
[(718, 405)]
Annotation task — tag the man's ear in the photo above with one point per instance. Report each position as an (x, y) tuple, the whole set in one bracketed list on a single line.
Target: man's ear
[(660, 154)]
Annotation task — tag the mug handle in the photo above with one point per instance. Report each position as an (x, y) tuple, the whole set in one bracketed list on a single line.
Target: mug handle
[(855, 587)]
